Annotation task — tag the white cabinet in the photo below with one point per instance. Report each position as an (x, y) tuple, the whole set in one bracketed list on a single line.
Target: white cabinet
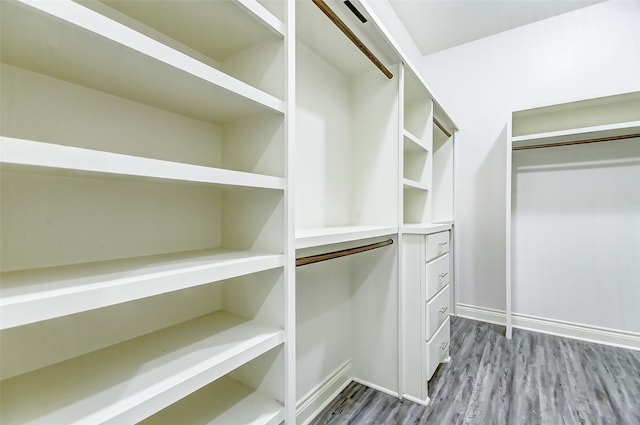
[(143, 209), (426, 306)]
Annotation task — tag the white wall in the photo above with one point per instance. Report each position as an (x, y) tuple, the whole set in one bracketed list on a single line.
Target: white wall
[(587, 53)]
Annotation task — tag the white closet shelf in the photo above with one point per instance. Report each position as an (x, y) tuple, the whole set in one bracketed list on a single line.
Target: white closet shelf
[(416, 143), (412, 184), (130, 381), (307, 238), (584, 133), (427, 228), (105, 55), (40, 294), (235, 403), (37, 154), (260, 12)]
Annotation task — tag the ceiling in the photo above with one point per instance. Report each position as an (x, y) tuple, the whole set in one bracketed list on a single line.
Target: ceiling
[(439, 24)]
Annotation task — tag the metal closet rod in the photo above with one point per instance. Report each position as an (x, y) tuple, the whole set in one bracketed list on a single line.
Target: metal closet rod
[(351, 36), (441, 127), (577, 142), (303, 261)]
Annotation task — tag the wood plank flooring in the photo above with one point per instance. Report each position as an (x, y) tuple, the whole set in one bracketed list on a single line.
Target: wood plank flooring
[(530, 380)]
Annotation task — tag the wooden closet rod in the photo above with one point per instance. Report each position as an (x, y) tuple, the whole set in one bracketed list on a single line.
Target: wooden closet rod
[(577, 142), (441, 127), (302, 261), (351, 36)]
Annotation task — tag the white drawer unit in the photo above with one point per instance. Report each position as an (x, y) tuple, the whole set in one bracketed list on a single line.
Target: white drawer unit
[(437, 311), (426, 293), (438, 348), (437, 275), (436, 245)]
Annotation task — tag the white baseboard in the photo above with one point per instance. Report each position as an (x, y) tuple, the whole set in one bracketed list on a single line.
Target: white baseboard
[(376, 387), (613, 337), (416, 400), (309, 406), (482, 314)]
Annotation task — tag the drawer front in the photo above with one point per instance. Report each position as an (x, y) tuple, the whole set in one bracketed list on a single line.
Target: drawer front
[(437, 244), (438, 349), (437, 275), (437, 311)]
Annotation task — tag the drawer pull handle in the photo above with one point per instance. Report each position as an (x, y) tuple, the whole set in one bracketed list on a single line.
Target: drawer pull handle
[(444, 345), (443, 243), (443, 309), (443, 274)]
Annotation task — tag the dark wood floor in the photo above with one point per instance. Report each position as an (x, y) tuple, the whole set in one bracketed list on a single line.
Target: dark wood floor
[(530, 380)]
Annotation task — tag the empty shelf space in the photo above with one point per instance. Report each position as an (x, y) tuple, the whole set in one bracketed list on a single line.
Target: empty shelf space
[(130, 381), (307, 238), (38, 154), (412, 184), (413, 143), (100, 53), (576, 134), (223, 402), (34, 295)]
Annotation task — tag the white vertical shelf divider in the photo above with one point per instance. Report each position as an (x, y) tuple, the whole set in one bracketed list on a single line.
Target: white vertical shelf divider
[(290, 224), (508, 241)]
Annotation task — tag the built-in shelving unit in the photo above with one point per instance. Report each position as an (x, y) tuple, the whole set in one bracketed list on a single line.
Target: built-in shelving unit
[(580, 155), (426, 265), (143, 152), (163, 164)]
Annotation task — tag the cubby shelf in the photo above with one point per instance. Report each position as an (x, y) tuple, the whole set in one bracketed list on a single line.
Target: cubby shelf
[(307, 238), (235, 404), (412, 184), (38, 154), (132, 380), (34, 295), (588, 133), (415, 142)]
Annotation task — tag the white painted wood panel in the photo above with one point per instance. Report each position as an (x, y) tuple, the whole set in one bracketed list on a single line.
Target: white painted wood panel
[(413, 363)]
